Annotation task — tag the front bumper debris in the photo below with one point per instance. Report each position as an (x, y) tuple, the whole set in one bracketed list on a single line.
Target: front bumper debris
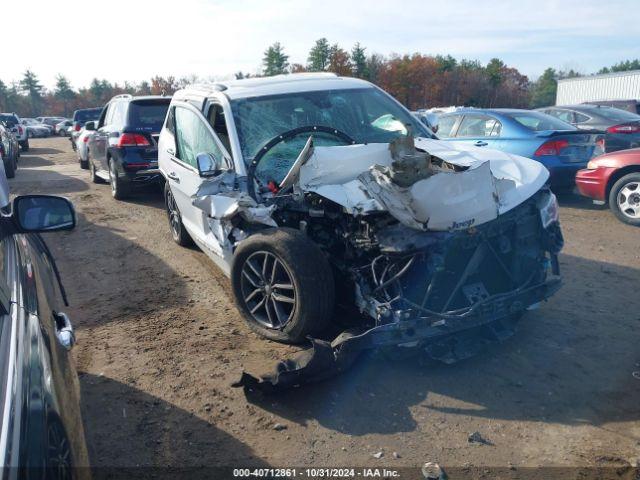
[(448, 338)]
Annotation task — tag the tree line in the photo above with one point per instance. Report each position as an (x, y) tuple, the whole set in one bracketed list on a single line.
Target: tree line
[(417, 80)]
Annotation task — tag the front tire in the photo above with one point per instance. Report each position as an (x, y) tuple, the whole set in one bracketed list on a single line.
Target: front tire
[(283, 285), (624, 199), (178, 232)]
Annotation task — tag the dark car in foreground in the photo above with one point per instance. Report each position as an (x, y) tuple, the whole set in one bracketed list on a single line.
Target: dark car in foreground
[(124, 148), (42, 435), (614, 178), (560, 147), (621, 128)]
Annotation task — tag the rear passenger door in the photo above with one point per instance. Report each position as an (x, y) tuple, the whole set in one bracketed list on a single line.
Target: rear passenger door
[(477, 131), (100, 138), (193, 135)]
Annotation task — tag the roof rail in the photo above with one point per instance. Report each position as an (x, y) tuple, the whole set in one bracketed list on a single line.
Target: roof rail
[(123, 95), (219, 87)]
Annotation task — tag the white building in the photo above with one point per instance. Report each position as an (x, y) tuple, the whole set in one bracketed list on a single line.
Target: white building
[(611, 86)]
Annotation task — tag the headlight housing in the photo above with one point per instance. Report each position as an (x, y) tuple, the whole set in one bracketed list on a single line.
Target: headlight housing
[(592, 165), (549, 209)]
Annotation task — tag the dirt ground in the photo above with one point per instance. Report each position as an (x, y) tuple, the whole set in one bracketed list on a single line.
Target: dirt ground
[(160, 341)]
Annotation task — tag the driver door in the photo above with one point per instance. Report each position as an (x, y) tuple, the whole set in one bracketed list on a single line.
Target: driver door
[(193, 135)]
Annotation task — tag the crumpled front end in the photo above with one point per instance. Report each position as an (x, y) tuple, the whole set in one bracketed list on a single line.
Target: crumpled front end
[(445, 292)]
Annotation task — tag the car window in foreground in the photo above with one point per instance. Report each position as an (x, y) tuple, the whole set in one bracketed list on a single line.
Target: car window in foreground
[(364, 114), (617, 115), (538, 122), (148, 115), (193, 137)]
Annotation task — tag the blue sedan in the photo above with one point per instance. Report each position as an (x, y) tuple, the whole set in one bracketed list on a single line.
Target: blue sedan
[(559, 146)]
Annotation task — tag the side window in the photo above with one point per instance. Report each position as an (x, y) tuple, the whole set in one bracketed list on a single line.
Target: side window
[(193, 137), (580, 118), (478, 126), (217, 121), (445, 126), (170, 121), (564, 115), (109, 114)]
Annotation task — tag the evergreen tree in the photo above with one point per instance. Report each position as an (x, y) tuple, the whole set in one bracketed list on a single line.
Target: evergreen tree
[(64, 92), (275, 61), (30, 85), (544, 89), (318, 60), (359, 61)]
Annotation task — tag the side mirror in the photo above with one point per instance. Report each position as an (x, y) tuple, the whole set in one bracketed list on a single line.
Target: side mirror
[(434, 128), (43, 213), (91, 126), (208, 165)]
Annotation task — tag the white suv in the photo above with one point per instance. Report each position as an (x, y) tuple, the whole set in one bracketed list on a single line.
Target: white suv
[(313, 191)]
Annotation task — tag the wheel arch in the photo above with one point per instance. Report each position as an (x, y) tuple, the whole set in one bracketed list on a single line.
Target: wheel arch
[(617, 175)]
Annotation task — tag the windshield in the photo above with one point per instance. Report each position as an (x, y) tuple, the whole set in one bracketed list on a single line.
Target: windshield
[(538, 121), (148, 115), (365, 114), (88, 115), (616, 114)]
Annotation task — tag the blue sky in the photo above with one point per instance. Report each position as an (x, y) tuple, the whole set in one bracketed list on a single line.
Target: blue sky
[(135, 39)]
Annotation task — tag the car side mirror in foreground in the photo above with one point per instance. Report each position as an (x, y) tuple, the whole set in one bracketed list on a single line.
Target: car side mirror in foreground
[(208, 165), (91, 126), (43, 213)]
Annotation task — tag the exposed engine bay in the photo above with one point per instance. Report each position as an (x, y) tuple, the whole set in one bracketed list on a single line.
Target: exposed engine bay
[(428, 252)]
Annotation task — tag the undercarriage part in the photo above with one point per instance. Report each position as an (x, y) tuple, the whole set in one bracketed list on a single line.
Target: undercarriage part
[(453, 271), (447, 340)]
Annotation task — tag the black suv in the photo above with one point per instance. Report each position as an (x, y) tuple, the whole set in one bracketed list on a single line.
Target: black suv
[(124, 148)]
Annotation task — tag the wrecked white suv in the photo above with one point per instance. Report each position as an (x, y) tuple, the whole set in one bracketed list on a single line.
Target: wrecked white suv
[(328, 203)]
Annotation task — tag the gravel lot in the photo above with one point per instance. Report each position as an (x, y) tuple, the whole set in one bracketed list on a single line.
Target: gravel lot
[(160, 341)]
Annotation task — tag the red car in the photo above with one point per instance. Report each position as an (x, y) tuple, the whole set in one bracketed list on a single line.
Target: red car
[(614, 177)]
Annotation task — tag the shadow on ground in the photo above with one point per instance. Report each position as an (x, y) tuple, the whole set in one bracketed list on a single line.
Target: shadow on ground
[(138, 435), (570, 362)]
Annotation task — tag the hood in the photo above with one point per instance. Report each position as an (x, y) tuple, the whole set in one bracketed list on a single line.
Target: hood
[(473, 188)]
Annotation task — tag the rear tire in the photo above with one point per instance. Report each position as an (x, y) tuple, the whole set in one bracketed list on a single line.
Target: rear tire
[(92, 173), (25, 145), (119, 189), (10, 168), (84, 164), (624, 199), (283, 285), (178, 232)]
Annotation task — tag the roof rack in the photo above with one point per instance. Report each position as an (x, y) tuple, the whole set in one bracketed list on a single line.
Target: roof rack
[(123, 95)]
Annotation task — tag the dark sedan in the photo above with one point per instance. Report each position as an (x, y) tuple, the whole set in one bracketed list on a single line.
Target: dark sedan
[(41, 434), (621, 127)]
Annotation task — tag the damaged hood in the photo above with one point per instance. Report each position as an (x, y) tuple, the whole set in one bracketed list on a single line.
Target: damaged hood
[(484, 184)]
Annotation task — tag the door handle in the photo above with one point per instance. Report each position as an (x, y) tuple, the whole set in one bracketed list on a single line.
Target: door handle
[(171, 152), (64, 330), (173, 176), (480, 143)]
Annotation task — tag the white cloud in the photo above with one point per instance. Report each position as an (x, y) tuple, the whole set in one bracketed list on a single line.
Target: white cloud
[(136, 39)]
